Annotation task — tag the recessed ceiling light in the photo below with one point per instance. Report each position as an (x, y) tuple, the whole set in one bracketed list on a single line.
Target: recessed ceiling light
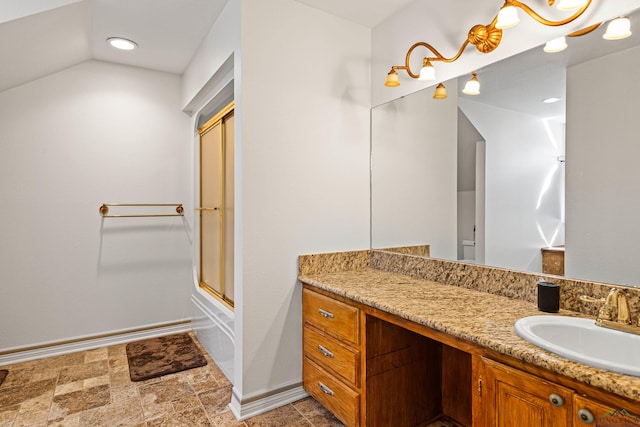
[(551, 100), (120, 43)]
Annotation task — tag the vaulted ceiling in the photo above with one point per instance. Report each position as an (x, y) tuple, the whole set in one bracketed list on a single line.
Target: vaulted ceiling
[(40, 37), (365, 12)]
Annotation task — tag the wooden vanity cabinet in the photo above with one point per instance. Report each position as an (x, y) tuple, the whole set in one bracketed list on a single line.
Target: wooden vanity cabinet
[(331, 365), (406, 379), (370, 368), (515, 398), (512, 397)]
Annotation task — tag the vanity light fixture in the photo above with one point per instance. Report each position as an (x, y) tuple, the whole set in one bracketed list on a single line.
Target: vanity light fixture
[(556, 45), (427, 72), (485, 38), (122, 43), (392, 79), (507, 17), (440, 92), (472, 87), (619, 28)]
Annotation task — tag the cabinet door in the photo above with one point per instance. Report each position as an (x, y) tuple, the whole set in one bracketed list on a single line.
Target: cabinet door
[(588, 412), (515, 398)]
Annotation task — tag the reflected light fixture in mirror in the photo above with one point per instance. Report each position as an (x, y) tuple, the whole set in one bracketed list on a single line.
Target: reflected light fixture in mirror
[(472, 87), (485, 38), (122, 43), (619, 28)]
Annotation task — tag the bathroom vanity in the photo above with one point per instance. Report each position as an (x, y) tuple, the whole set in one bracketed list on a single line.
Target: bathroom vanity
[(387, 349)]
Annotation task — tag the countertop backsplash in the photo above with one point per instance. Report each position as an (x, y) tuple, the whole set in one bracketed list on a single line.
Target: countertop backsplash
[(498, 281)]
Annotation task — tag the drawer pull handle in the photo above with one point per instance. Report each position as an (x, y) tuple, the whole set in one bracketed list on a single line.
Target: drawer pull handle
[(324, 351), (556, 400), (325, 389), (325, 313), (586, 416)]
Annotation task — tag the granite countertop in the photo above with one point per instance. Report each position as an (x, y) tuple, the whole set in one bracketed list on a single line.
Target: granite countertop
[(477, 317)]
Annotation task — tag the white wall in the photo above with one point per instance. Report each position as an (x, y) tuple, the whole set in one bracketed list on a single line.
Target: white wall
[(222, 41), (524, 180), (468, 138), (480, 203), (212, 77), (466, 220), (305, 171), (602, 169), (71, 141), (415, 204)]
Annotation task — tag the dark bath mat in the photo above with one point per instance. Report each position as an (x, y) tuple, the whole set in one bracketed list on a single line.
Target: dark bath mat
[(155, 357), (3, 375)]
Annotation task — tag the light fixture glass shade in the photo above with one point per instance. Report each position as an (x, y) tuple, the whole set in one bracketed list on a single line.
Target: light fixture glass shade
[(570, 4), (440, 92), (617, 29), (472, 87), (121, 43), (392, 79), (556, 45), (427, 72), (507, 17)]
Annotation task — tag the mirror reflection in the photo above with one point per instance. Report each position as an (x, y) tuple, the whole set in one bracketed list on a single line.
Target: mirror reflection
[(494, 178)]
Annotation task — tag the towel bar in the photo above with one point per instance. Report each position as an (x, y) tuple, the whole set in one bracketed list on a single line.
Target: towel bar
[(104, 210)]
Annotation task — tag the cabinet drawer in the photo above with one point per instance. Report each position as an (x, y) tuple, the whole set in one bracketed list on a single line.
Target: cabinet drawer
[(339, 399), (331, 355), (334, 317)]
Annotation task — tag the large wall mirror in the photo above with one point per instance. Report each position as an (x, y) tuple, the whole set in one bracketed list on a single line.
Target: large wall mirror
[(498, 177)]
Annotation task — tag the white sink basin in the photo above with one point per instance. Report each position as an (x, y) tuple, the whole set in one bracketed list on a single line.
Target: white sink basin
[(581, 340)]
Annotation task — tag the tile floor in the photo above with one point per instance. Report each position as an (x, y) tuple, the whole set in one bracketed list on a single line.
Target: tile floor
[(92, 388)]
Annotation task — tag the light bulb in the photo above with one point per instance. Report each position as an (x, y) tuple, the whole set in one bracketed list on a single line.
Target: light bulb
[(440, 92), (427, 72), (472, 87), (556, 45), (507, 17), (122, 44), (617, 29), (392, 79), (570, 4)]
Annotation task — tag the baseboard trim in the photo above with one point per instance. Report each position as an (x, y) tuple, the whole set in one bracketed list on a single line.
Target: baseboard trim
[(250, 407), (19, 355)]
